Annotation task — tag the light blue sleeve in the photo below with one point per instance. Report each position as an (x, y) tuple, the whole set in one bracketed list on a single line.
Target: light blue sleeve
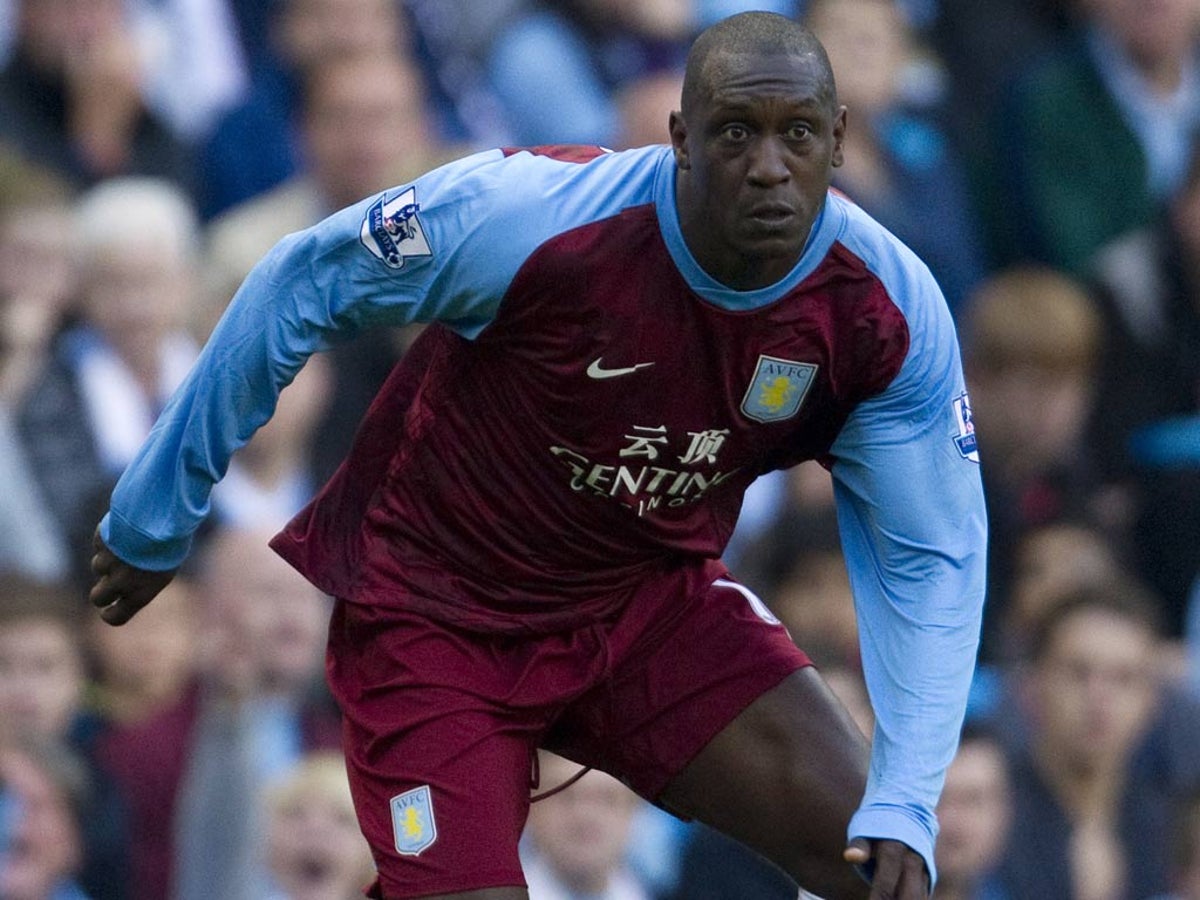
[(911, 513), (419, 253)]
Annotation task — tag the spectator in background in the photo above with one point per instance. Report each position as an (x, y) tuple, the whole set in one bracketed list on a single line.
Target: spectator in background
[(43, 795), (42, 674), (816, 605), (35, 287), (644, 106), (781, 512), (983, 45), (315, 850), (363, 127), (262, 708), (1147, 430), (577, 840), (1191, 641), (1116, 105), (900, 165), (451, 39), (37, 281), (255, 145), (42, 682), (1051, 559), (135, 243), (1093, 825), (193, 61), (270, 479), (462, 41), (975, 814), (557, 68), (359, 130), (714, 867), (1031, 343), (71, 96), (190, 53), (794, 553), (144, 701)]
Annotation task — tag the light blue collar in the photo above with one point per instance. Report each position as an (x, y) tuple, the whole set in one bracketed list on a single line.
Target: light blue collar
[(824, 231)]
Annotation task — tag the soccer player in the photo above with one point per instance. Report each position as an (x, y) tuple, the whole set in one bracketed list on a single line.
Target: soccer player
[(524, 540)]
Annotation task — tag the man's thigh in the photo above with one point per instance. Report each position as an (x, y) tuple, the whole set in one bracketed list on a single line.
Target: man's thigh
[(721, 718), (784, 778)]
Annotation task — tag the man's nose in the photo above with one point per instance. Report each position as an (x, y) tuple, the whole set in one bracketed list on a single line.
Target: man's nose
[(768, 166)]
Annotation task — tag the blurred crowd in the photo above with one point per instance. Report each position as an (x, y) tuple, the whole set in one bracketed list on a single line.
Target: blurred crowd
[(1039, 155)]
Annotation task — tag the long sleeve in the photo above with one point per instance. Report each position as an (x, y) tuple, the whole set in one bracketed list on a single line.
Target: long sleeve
[(911, 514), (385, 261)]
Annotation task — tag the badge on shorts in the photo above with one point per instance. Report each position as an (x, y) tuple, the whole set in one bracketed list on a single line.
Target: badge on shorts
[(412, 821), (778, 388)]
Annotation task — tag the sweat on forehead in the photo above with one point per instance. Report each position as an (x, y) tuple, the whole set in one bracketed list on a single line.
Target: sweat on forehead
[(758, 34)]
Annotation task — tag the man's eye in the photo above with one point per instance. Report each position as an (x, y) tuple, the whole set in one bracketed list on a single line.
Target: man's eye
[(799, 132), (735, 132)]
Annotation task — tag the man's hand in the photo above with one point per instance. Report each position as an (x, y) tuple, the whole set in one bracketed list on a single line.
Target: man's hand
[(120, 589), (898, 871)]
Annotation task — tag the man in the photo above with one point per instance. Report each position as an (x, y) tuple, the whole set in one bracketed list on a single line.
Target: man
[(525, 537), (577, 842), (1092, 801), (975, 813)]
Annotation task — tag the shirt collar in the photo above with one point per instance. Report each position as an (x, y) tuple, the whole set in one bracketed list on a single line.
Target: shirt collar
[(824, 231)]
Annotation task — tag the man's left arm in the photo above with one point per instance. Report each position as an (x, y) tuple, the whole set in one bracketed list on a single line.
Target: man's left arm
[(911, 514)]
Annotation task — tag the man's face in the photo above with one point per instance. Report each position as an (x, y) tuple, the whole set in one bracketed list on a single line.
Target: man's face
[(364, 125), (974, 812), (41, 678), (755, 159), (1094, 690), (314, 845)]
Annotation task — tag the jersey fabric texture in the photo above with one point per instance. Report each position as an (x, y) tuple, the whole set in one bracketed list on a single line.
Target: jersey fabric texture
[(591, 408)]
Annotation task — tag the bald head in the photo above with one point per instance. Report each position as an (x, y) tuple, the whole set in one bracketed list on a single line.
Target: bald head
[(750, 34)]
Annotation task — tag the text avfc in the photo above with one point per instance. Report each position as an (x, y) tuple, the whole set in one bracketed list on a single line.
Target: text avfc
[(642, 488)]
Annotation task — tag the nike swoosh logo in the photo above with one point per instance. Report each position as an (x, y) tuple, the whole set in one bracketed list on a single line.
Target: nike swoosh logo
[(595, 370)]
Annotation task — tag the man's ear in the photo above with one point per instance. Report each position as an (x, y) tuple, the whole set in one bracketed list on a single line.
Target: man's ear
[(839, 136), (678, 131)]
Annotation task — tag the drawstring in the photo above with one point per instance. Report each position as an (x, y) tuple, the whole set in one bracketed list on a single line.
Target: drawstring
[(562, 787), (605, 669)]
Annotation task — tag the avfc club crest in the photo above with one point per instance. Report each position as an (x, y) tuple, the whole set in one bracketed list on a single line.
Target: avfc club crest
[(777, 389), (412, 821), (392, 231)]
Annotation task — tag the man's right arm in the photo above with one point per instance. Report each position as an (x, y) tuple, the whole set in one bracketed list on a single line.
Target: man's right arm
[(381, 262)]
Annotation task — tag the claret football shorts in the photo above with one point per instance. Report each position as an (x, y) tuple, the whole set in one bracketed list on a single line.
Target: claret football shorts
[(442, 725)]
